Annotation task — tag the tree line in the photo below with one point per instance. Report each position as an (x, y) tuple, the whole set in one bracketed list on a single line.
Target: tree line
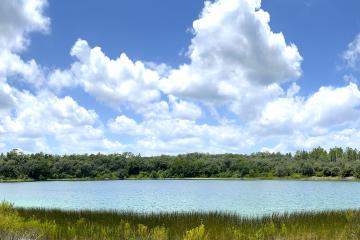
[(335, 162)]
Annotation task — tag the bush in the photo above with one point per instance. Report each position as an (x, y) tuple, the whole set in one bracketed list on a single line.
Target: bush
[(197, 233), (357, 171), (281, 171), (307, 170)]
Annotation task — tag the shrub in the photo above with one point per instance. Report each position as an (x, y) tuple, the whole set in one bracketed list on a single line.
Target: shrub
[(197, 233)]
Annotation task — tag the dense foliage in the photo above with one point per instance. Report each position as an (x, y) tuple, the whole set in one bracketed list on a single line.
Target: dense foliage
[(336, 162), (49, 224)]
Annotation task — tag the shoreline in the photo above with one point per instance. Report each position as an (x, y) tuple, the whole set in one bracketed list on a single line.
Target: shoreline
[(324, 179)]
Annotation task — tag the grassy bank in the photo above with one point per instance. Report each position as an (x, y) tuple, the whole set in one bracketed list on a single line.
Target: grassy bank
[(57, 224)]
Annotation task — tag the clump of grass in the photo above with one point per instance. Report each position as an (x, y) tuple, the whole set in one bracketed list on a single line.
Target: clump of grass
[(52, 224)]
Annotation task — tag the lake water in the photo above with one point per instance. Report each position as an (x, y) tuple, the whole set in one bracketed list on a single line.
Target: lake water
[(242, 197)]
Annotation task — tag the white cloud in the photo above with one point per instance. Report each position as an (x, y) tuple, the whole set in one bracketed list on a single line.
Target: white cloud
[(184, 109), (117, 83), (35, 120), (176, 111), (352, 54), (125, 125), (326, 108), (234, 54), (17, 19), (174, 135), (11, 65), (346, 137), (58, 80), (6, 97), (45, 113)]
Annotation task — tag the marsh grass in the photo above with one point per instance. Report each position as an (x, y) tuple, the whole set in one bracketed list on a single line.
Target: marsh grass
[(24, 223)]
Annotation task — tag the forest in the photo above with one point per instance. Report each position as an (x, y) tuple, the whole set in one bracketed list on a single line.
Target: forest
[(318, 162)]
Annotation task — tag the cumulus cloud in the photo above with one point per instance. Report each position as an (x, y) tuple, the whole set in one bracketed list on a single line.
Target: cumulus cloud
[(11, 65), (118, 83), (45, 118), (234, 52), (17, 19), (326, 108)]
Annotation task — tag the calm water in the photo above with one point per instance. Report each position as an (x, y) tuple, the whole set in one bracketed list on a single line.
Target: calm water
[(243, 197)]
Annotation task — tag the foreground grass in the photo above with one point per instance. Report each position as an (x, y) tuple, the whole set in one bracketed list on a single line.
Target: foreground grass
[(29, 224)]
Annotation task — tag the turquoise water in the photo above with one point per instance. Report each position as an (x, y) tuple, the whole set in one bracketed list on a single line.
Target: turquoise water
[(243, 197)]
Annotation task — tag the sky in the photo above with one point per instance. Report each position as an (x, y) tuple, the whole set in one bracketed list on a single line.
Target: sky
[(169, 77)]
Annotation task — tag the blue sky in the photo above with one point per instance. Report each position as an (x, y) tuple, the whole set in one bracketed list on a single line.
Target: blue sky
[(155, 32), (227, 82)]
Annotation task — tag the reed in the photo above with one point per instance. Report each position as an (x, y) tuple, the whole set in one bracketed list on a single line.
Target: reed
[(33, 223)]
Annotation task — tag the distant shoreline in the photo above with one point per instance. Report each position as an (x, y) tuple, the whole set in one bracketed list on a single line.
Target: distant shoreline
[(347, 179), (318, 164)]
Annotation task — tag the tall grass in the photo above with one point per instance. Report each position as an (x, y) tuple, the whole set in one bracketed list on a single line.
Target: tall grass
[(21, 223)]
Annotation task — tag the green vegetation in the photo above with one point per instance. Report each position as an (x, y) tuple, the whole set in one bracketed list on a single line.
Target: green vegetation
[(336, 163), (80, 225)]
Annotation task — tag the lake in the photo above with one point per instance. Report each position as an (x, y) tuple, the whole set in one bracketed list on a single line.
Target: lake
[(251, 198)]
